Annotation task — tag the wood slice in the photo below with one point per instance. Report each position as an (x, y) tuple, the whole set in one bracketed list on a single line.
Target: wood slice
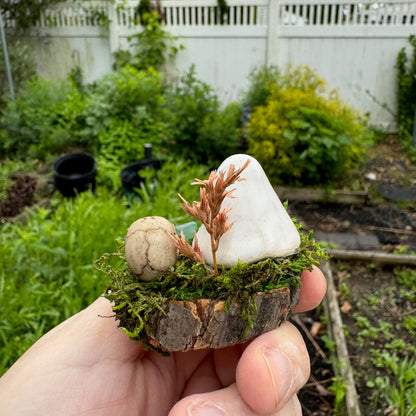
[(204, 323)]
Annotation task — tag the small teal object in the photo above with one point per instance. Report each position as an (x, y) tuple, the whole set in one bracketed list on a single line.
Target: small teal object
[(189, 228)]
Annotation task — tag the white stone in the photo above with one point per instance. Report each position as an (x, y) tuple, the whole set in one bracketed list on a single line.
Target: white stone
[(262, 228)]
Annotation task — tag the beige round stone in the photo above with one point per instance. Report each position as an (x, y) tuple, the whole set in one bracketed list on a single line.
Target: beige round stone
[(149, 249)]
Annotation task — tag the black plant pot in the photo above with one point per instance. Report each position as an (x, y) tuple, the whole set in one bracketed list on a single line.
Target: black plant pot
[(75, 173), (130, 176)]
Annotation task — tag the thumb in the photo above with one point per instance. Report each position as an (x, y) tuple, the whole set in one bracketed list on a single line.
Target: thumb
[(272, 369)]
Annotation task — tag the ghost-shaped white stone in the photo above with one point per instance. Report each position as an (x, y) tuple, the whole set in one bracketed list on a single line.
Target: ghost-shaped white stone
[(261, 226)]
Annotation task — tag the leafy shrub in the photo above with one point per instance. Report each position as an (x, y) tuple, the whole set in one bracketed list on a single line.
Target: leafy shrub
[(152, 46), (123, 143), (115, 116), (22, 67), (159, 194), (24, 15), (219, 136), (48, 117), (260, 82), (406, 92), (119, 93), (41, 119), (302, 137), (126, 95), (406, 96), (199, 129)]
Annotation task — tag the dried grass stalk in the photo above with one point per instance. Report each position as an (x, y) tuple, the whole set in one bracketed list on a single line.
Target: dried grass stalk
[(208, 210)]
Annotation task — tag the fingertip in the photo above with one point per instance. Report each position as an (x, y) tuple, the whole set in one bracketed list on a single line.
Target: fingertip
[(312, 291)]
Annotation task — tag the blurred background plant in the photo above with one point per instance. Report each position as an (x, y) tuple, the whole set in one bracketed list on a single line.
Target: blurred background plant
[(22, 66), (301, 133), (396, 388), (152, 47), (41, 120), (406, 94), (46, 265), (199, 128)]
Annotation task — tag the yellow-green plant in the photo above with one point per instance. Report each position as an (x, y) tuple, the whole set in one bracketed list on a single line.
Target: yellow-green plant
[(304, 135)]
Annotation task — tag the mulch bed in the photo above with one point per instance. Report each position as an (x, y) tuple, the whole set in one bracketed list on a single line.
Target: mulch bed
[(392, 225), (19, 195), (315, 398)]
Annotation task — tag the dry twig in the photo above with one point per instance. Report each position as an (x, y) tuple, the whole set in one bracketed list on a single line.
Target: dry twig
[(208, 210)]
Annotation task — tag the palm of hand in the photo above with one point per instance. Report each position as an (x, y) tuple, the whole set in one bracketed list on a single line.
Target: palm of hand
[(108, 374)]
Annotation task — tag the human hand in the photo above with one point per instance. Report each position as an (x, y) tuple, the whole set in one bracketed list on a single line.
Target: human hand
[(88, 366)]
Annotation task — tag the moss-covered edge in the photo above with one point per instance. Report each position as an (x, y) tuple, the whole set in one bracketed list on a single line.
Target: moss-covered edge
[(136, 302)]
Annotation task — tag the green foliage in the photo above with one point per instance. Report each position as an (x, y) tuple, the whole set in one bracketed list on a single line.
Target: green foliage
[(222, 11), (160, 192), (24, 14), (190, 103), (40, 119), (120, 94), (121, 110), (219, 136), (116, 115), (199, 129), (410, 324), (397, 389), (46, 272), (123, 143), (406, 91), (124, 96), (76, 76), (406, 277), (370, 331), (302, 137), (152, 46), (339, 388), (22, 67), (260, 83), (46, 266)]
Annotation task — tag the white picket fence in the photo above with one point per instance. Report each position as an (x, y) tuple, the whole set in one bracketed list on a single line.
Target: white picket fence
[(240, 13), (352, 44)]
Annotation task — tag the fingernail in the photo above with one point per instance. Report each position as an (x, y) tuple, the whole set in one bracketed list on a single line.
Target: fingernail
[(206, 409), (281, 373)]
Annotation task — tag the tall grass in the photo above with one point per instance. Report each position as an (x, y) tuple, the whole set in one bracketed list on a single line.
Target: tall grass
[(46, 266)]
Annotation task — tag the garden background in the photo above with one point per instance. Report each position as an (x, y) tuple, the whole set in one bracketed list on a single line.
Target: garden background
[(199, 81)]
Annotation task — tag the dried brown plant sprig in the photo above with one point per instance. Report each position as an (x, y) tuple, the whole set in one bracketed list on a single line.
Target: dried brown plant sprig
[(194, 252), (208, 210)]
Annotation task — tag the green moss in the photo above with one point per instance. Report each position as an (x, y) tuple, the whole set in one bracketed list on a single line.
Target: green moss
[(136, 301)]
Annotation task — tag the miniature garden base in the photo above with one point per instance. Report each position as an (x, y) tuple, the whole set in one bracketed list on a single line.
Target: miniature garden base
[(198, 324)]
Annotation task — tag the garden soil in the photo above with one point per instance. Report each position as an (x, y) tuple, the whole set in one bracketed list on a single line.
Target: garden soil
[(388, 223)]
